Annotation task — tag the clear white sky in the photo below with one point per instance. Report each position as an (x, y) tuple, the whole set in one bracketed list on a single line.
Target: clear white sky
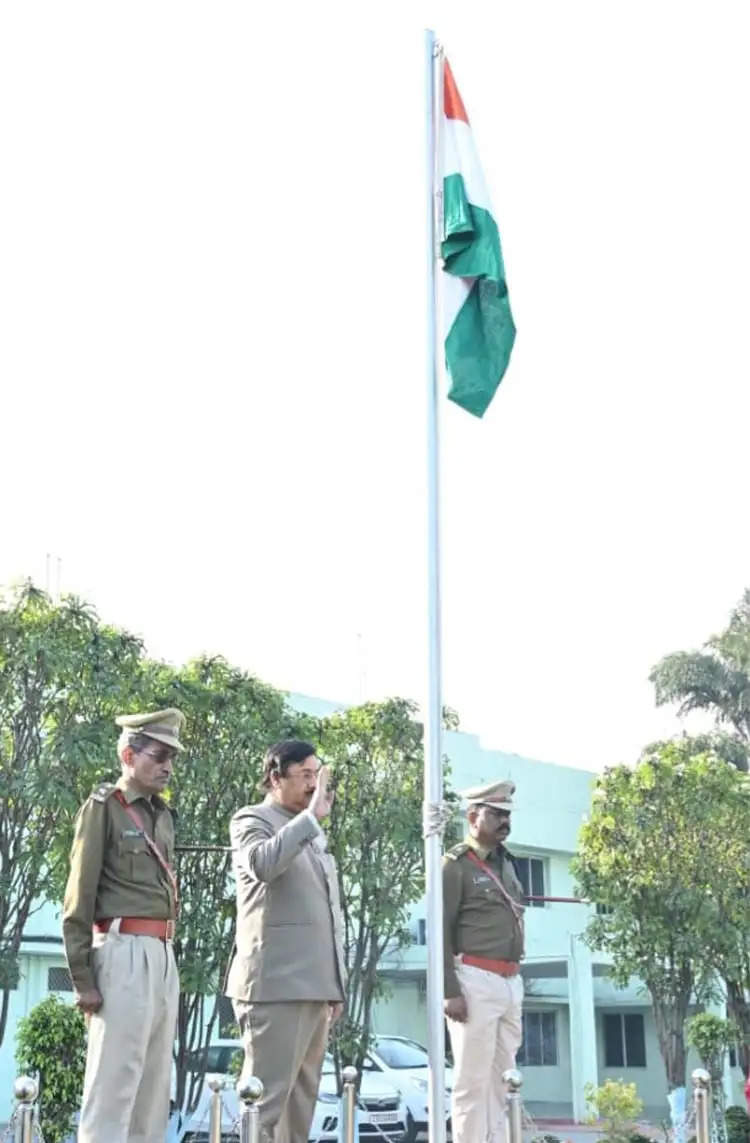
[(211, 353)]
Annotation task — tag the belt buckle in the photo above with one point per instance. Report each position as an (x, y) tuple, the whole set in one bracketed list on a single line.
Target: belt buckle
[(170, 931)]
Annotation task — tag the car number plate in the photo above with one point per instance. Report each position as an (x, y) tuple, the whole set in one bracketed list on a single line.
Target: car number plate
[(383, 1117)]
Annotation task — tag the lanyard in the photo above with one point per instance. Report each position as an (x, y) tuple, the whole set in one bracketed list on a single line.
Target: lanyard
[(515, 908), (134, 817)]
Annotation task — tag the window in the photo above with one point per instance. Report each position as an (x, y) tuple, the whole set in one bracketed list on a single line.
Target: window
[(227, 1022), (531, 875), (58, 980), (421, 931), (539, 1044), (624, 1041), (604, 910)]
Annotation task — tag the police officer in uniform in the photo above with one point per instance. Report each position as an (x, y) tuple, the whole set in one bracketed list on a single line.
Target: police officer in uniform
[(118, 926), (483, 918)]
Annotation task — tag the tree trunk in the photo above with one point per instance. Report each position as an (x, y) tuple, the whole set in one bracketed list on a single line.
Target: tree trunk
[(4, 1012), (739, 1011), (669, 1017)]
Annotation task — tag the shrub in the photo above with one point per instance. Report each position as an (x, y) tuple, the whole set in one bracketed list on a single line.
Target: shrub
[(737, 1124), (616, 1104), (51, 1043)]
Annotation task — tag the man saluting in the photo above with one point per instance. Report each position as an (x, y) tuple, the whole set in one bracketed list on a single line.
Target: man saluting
[(287, 979)]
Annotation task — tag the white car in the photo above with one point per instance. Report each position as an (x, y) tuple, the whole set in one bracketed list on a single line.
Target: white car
[(405, 1064), (382, 1109)]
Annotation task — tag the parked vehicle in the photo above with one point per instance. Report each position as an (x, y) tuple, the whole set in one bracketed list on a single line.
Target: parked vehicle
[(382, 1109), (405, 1064)]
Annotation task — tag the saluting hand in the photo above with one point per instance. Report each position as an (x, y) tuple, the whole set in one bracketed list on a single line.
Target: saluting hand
[(456, 1009), (89, 1001), (322, 799)]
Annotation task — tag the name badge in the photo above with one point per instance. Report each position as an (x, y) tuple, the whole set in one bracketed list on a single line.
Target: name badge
[(131, 833)]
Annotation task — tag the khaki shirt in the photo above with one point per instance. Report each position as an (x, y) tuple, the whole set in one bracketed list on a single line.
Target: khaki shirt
[(477, 918), (113, 873)]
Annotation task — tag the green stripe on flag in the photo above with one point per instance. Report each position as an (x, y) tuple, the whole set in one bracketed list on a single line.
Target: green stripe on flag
[(479, 343)]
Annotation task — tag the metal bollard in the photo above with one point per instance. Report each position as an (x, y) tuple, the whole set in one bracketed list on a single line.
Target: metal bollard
[(25, 1090), (514, 1105), (349, 1076), (214, 1122), (250, 1091), (701, 1098)]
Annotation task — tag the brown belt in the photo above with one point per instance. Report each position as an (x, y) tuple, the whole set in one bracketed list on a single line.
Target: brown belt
[(500, 967), (140, 927)]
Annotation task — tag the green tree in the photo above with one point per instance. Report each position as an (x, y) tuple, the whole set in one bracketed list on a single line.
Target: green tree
[(375, 834), (717, 680), (664, 840), (51, 1041), (712, 1037), (63, 675), (231, 718)]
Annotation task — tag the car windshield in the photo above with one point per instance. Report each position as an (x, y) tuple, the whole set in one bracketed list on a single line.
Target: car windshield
[(401, 1053)]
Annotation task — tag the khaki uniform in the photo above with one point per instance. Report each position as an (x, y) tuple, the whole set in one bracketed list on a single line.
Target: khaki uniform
[(480, 922), (289, 964), (113, 875)]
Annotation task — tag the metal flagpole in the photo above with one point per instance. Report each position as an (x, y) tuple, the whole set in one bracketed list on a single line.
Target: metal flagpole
[(433, 768)]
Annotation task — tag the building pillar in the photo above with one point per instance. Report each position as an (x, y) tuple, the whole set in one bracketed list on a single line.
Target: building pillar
[(583, 1055)]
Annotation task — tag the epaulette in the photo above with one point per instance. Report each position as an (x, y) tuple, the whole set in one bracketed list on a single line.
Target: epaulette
[(101, 793), (458, 851)]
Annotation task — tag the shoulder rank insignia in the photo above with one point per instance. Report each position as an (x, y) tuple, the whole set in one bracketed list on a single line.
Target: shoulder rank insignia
[(458, 851), (102, 792)]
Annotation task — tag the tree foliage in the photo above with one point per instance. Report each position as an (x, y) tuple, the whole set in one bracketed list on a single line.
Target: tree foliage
[(375, 835), (63, 675), (231, 718), (51, 1042), (715, 679), (665, 844)]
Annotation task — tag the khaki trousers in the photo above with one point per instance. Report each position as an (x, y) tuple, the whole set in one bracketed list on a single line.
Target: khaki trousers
[(129, 1059), (483, 1048), (285, 1043)]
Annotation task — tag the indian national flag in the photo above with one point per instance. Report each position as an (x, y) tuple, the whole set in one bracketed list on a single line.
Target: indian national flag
[(478, 325)]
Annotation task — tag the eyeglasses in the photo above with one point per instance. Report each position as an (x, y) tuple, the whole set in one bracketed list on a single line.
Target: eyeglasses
[(165, 755)]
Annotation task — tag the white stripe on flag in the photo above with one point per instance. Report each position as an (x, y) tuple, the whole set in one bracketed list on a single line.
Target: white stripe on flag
[(460, 157)]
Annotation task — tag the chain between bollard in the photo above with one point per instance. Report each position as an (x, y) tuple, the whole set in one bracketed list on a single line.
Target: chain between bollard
[(701, 1099), (514, 1105), (25, 1090), (249, 1092)]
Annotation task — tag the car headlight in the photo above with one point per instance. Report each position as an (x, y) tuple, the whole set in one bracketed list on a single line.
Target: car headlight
[(327, 1097)]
